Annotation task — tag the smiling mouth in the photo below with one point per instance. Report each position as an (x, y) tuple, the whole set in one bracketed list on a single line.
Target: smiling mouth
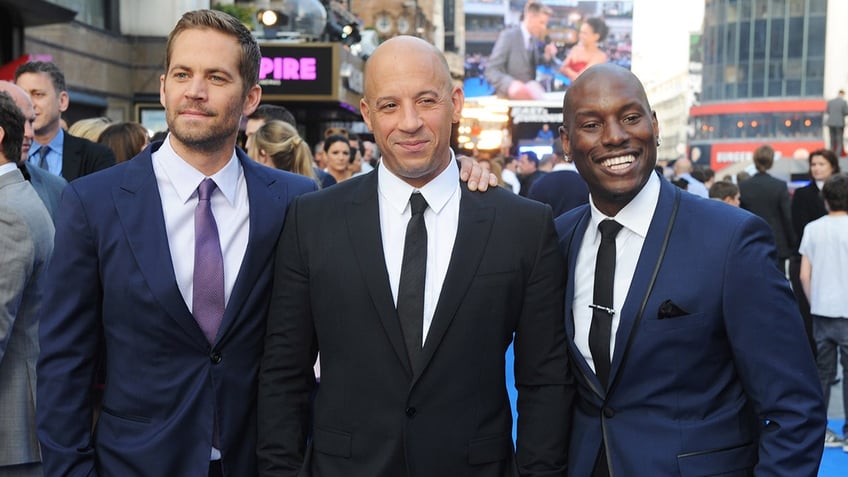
[(620, 162)]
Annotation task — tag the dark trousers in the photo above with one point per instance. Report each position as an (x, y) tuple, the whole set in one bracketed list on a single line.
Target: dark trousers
[(215, 469), (801, 298), (836, 134)]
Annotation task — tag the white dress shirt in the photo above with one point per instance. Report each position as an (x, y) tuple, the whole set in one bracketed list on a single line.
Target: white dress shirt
[(178, 182), (635, 218), (441, 219)]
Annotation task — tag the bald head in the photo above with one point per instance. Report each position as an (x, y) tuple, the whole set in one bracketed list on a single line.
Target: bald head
[(24, 103), (391, 52), (607, 73), (682, 166)]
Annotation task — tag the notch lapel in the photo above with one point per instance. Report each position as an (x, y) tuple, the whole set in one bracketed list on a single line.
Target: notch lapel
[(571, 245), (266, 196), (642, 276), (139, 209), (472, 234), (362, 215)]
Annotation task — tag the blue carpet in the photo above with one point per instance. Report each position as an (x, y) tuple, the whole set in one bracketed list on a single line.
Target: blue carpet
[(834, 461)]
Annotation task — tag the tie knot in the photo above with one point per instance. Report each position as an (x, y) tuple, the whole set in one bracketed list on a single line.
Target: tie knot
[(609, 229), (205, 189), (43, 151), (418, 203)]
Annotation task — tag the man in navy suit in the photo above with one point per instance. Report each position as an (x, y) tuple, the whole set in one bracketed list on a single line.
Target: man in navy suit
[(55, 151), (181, 349), (708, 369)]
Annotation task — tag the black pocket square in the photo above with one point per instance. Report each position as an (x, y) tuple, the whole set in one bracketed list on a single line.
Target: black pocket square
[(668, 309)]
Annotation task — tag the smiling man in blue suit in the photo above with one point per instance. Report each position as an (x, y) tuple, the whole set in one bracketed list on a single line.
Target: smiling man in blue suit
[(167, 260), (698, 363)]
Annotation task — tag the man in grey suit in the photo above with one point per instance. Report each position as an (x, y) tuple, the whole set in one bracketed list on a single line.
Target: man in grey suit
[(26, 243), (511, 67), (837, 109), (47, 186)]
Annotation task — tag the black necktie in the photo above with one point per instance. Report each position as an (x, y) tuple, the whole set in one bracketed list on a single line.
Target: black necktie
[(602, 301), (410, 299)]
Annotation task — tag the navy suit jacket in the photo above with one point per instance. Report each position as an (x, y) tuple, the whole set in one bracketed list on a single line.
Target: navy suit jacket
[(48, 187), (164, 385), (562, 190), (82, 157), (725, 384)]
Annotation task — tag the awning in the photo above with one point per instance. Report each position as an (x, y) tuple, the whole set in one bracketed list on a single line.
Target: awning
[(38, 12)]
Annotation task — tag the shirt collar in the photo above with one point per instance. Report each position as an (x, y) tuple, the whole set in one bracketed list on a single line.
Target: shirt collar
[(526, 34), (185, 178), (56, 144), (7, 167), (437, 192), (636, 216)]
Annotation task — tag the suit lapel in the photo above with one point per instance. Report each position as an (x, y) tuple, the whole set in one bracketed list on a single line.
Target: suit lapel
[(642, 275), (266, 196), (473, 231), (139, 208), (571, 245), (362, 214)]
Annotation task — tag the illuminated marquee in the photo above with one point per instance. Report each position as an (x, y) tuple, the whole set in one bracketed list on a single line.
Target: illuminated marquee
[(298, 71)]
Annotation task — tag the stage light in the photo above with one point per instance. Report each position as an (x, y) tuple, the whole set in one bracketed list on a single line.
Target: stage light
[(271, 21), (268, 17)]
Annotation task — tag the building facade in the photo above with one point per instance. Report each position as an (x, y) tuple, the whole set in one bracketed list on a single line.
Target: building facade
[(768, 68)]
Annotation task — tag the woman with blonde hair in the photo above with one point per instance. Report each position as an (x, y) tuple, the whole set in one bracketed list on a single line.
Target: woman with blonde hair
[(89, 128), (277, 144)]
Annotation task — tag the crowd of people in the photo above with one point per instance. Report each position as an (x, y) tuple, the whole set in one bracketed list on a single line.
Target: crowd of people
[(174, 302)]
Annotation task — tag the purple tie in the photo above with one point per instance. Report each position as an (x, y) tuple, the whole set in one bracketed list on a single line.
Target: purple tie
[(208, 292)]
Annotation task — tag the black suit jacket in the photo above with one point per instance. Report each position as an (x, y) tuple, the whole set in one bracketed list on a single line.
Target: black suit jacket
[(768, 197), (807, 206), (374, 417), (81, 157)]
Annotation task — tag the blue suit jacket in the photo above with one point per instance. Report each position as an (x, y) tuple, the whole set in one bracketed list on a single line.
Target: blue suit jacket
[(726, 385), (113, 276), (48, 187)]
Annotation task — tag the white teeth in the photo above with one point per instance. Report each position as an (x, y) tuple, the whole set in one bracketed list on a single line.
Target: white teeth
[(620, 162)]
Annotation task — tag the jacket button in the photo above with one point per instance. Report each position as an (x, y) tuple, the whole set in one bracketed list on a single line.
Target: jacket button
[(215, 357), (609, 412), (410, 412)]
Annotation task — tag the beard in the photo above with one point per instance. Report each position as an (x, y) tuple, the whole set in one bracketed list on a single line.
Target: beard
[(210, 136)]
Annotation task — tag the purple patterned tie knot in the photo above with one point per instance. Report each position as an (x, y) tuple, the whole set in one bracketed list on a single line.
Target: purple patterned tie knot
[(208, 289)]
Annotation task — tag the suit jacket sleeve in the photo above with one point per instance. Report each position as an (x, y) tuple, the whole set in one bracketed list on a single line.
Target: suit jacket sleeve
[(286, 376), (778, 373), (786, 218), (544, 383), (17, 259), (68, 332), (496, 73)]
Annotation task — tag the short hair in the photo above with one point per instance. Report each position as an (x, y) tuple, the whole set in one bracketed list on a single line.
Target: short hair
[(47, 67), (829, 156), (763, 158), (268, 112), (531, 156), (723, 189), (283, 145), (835, 192), (536, 8), (228, 25), (12, 121), (599, 26), (125, 139)]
